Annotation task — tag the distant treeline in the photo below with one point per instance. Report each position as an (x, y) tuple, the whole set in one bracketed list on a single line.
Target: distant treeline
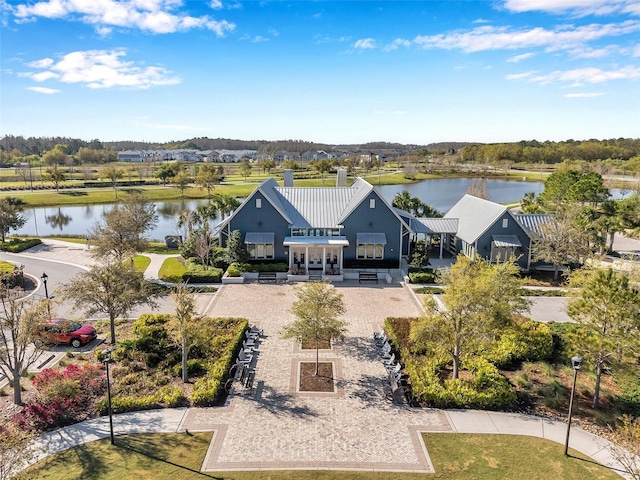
[(552, 152)]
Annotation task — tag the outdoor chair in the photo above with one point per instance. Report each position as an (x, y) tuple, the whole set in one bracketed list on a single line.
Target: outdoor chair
[(247, 348), (390, 362), (380, 341), (245, 358)]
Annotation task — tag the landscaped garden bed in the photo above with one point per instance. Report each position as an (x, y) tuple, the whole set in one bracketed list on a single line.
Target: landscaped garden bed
[(322, 382)]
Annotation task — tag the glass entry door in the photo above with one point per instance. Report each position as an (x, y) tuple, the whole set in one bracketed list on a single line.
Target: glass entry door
[(315, 258)]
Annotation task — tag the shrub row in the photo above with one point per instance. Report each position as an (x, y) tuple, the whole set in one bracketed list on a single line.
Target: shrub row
[(422, 277), (167, 397), (17, 245), (263, 267)]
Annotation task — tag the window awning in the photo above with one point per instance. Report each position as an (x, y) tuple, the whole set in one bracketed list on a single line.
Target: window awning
[(371, 238), (506, 241), (259, 237), (320, 241)]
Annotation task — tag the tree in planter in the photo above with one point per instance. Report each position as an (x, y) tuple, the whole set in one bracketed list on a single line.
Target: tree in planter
[(113, 289), (479, 298), (19, 327), (185, 326), (608, 309), (317, 308), (236, 251), (11, 217)]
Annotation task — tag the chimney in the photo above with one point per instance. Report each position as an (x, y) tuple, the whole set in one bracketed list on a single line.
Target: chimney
[(341, 179), (288, 178)]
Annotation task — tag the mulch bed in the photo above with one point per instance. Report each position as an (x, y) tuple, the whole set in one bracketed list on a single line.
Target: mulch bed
[(311, 345), (323, 382)]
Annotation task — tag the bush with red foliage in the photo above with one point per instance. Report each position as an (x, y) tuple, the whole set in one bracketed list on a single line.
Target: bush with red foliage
[(63, 397)]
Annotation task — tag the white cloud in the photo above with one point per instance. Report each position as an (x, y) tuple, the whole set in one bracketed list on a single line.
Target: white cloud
[(45, 90), (259, 39), (365, 43), (575, 7), (506, 38), (636, 51), (156, 16), (42, 63), (215, 4), (584, 95), (519, 58), (521, 76), (580, 76), (397, 43), (102, 69)]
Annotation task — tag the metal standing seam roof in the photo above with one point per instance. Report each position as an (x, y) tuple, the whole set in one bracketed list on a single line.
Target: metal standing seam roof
[(315, 207), (475, 216), (371, 238), (506, 241), (534, 222), (435, 225), (259, 237)]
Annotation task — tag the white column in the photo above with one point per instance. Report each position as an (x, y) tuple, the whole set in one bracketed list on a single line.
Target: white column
[(324, 260), (441, 244), (290, 258), (340, 258), (306, 260)]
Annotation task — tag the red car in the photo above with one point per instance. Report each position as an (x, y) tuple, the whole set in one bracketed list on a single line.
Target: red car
[(59, 330)]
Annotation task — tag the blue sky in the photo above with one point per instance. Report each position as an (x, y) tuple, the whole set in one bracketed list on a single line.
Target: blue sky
[(332, 72)]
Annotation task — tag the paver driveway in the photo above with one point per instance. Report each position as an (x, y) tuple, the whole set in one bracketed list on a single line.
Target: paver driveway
[(279, 427)]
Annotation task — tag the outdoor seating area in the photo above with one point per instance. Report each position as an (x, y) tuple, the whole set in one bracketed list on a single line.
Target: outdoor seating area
[(400, 392), (367, 277), (242, 373)]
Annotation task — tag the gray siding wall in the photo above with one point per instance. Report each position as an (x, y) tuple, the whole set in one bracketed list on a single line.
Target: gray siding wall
[(264, 219), (373, 220), (513, 228)]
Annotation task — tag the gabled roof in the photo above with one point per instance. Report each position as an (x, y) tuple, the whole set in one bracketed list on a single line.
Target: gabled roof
[(435, 225), (315, 207), (533, 222), (475, 216)]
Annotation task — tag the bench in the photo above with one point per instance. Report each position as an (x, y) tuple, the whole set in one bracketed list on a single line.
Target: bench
[(367, 277), (267, 277)]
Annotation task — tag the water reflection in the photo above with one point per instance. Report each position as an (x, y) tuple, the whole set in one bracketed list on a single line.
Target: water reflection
[(58, 220), (440, 193)]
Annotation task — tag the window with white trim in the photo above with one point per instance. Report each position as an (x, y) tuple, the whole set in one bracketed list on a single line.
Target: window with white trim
[(505, 223), (259, 251), (372, 203), (370, 251), (258, 203)]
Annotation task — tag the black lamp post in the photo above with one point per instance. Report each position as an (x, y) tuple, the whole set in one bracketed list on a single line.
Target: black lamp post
[(576, 362), (107, 360), (44, 278)]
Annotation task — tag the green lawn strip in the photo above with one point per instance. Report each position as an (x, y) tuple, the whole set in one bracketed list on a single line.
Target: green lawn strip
[(6, 267), (171, 270), (140, 263), (492, 457), (454, 456), (160, 248), (70, 239)]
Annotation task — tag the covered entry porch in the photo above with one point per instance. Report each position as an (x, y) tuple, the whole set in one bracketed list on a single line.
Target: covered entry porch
[(316, 256)]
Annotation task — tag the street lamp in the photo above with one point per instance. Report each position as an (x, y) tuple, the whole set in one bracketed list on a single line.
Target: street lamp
[(576, 362), (44, 278), (106, 359)]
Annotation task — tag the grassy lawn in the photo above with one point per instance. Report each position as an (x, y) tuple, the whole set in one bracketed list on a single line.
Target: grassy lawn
[(171, 270), (455, 456), (492, 457), (140, 263), (161, 249)]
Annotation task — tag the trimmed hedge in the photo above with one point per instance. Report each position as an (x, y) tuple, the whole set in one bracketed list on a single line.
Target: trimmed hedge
[(17, 245), (527, 341), (263, 267), (422, 277)]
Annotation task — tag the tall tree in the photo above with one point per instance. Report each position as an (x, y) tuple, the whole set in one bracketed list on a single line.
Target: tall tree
[(608, 310), (226, 204), (20, 323), (11, 217), (322, 166), (181, 180), (317, 308), (165, 172), (209, 175), (185, 325), (560, 241), (479, 298), (236, 251), (245, 169), (113, 289), (113, 174), (56, 176), (122, 230)]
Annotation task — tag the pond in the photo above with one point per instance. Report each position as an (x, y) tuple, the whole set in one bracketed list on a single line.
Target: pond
[(442, 193)]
